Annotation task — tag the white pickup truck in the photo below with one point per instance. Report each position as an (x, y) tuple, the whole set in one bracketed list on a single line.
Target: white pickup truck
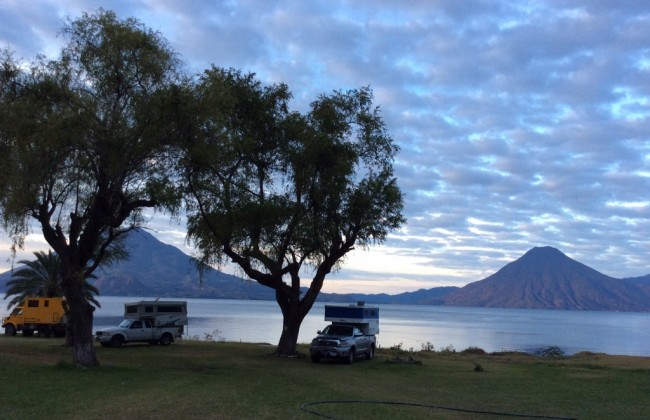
[(147, 321)]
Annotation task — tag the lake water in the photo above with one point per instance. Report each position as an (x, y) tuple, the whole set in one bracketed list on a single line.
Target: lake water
[(414, 326)]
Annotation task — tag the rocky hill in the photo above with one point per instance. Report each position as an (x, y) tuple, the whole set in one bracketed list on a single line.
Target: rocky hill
[(545, 278)]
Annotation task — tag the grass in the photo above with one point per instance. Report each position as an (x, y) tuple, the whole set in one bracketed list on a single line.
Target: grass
[(195, 379)]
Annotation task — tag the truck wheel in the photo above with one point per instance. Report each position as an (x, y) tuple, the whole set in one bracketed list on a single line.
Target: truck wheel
[(315, 358), (10, 330), (166, 339), (28, 333), (44, 331), (117, 341), (350, 359), (371, 353)]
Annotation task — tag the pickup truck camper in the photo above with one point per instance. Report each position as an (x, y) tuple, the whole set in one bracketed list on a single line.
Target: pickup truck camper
[(152, 321), (350, 334)]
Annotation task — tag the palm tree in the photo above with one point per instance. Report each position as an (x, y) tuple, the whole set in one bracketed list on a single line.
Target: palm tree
[(41, 277)]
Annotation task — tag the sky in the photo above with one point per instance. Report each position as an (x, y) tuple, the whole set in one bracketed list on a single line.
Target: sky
[(521, 123)]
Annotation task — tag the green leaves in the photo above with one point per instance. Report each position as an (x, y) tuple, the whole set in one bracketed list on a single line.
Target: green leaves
[(281, 188)]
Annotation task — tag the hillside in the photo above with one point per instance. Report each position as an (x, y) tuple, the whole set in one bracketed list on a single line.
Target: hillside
[(160, 270), (545, 278)]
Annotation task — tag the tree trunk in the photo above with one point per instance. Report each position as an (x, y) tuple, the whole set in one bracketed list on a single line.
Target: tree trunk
[(81, 326), (291, 320), (289, 337)]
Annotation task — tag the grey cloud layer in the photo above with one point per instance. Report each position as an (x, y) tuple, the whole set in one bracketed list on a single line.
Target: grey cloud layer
[(521, 124)]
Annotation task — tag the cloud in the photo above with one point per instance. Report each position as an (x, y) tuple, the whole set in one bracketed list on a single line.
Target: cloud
[(520, 124)]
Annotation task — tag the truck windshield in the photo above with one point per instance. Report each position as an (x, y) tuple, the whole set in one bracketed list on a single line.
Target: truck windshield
[(125, 323), (338, 330)]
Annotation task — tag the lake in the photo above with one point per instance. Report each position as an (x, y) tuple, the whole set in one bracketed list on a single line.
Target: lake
[(415, 326)]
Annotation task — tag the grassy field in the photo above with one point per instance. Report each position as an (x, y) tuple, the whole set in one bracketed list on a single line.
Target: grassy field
[(194, 379)]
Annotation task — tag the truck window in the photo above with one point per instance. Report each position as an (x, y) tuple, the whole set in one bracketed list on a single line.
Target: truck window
[(32, 303), (136, 324), (170, 308), (46, 303), (148, 309)]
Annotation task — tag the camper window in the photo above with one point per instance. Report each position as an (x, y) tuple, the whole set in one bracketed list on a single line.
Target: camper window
[(170, 308)]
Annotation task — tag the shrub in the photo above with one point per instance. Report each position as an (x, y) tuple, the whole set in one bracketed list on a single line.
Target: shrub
[(428, 347), (550, 352), (473, 350)]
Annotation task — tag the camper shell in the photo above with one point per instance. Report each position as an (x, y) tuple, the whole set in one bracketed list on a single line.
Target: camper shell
[(366, 318), (164, 313)]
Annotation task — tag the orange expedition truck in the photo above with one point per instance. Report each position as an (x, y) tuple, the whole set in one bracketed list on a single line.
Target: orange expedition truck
[(45, 316)]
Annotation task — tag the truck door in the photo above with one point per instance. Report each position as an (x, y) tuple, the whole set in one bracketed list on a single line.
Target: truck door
[(361, 340), (138, 332), (150, 331)]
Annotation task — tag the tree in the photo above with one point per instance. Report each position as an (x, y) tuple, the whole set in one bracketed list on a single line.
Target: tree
[(283, 194), (83, 148), (40, 277)]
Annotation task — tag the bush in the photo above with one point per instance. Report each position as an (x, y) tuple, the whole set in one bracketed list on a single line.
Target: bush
[(473, 350), (428, 347), (550, 352), (400, 355)]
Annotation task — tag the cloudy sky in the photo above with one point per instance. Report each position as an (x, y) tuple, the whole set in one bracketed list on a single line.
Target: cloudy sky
[(521, 123)]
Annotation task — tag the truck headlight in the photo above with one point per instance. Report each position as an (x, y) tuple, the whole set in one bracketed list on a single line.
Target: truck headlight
[(343, 343)]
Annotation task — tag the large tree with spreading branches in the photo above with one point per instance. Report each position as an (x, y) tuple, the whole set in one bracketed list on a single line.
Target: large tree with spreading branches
[(84, 149), (282, 194)]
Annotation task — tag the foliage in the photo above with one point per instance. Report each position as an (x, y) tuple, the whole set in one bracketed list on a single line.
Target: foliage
[(282, 194), (85, 146), (550, 352), (427, 347), (41, 277), (399, 355)]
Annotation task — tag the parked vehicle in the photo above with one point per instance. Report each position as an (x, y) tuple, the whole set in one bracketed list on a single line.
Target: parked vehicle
[(147, 321), (46, 316), (350, 335)]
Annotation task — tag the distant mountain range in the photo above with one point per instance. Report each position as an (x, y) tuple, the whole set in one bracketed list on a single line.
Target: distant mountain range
[(543, 278)]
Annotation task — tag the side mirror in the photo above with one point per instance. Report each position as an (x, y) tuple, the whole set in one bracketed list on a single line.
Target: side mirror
[(319, 332)]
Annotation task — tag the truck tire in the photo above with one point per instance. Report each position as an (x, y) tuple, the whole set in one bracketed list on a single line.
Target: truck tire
[(350, 359), (28, 333), (44, 331), (166, 339), (117, 341), (10, 330), (371, 353)]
